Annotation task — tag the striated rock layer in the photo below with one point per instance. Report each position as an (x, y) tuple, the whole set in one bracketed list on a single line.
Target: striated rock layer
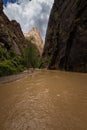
[(66, 37), (11, 36)]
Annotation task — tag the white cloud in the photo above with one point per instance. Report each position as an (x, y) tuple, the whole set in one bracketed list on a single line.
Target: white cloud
[(30, 14)]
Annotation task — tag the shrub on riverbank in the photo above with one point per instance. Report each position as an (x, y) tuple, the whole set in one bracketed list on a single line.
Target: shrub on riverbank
[(8, 67)]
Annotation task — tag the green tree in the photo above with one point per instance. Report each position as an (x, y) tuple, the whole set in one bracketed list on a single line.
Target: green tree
[(31, 57)]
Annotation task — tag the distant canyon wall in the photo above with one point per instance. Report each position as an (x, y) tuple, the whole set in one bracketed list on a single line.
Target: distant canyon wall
[(35, 36)]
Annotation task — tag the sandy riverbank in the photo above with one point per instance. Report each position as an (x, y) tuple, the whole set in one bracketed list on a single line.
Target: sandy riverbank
[(12, 78)]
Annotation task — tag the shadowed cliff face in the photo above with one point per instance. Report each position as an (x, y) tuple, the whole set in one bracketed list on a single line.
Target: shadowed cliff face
[(66, 38), (1, 7), (11, 36)]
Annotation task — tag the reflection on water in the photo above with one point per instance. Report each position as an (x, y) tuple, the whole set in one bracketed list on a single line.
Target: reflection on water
[(48, 100)]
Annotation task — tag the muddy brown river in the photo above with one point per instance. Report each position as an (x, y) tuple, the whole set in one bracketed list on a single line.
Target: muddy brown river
[(46, 100)]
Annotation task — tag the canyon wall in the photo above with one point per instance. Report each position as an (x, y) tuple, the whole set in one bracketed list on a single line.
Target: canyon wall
[(66, 37), (11, 36)]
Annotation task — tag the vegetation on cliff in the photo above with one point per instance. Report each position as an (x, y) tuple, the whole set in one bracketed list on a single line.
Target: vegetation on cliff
[(10, 62)]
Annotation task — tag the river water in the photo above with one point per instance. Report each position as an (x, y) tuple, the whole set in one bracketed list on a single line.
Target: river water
[(46, 100)]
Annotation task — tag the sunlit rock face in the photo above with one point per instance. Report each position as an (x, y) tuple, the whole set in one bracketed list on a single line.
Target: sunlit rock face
[(66, 37), (35, 36)]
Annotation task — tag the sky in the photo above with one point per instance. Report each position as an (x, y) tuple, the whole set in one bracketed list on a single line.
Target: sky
[(29, 13)]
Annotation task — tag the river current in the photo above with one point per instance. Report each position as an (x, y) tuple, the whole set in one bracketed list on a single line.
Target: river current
[(45, 100)]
